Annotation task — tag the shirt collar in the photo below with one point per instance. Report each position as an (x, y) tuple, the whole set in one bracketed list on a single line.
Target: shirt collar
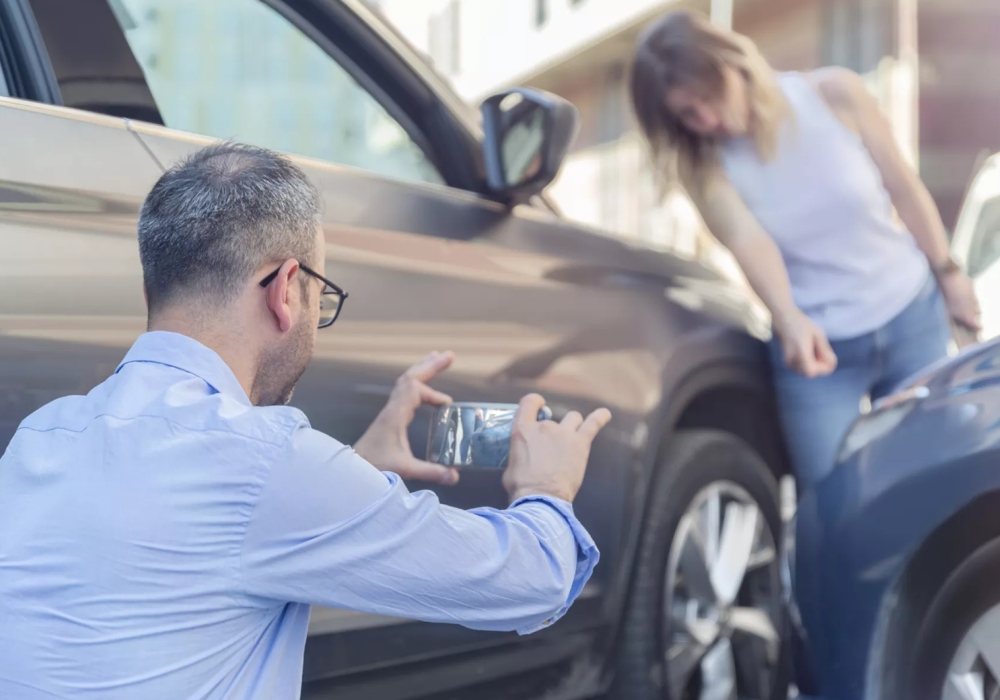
[(187, 354)]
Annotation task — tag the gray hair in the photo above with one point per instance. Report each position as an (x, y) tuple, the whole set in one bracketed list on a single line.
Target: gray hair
[(212, 220)]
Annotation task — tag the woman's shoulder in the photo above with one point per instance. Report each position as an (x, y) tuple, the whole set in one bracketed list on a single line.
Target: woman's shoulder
[(845, 94), (838, 86)]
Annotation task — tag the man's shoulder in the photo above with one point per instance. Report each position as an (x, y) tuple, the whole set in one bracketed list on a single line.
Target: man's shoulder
[(65, 412), (190, 407), (270, 425), (186, 405)]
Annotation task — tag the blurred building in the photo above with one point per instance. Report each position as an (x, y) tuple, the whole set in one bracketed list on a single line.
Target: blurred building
[(948, 103), (580, 49), (959, 115)]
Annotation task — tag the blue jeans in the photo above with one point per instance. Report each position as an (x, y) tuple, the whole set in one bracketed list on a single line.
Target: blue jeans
[(470, 424), (816, 413)]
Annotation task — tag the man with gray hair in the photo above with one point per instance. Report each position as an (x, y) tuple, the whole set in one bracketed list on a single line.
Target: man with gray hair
[(164, 535)]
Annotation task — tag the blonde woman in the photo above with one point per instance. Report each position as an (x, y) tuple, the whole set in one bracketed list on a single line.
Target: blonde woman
[(797, 174)]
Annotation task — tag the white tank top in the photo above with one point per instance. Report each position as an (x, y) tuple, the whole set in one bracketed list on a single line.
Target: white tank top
[(852, 266)]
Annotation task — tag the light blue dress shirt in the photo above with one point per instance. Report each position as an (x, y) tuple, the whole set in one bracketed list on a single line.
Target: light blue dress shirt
[(163, 538)]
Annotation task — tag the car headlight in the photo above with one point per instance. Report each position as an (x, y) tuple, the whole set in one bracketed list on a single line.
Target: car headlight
[(882, 419)]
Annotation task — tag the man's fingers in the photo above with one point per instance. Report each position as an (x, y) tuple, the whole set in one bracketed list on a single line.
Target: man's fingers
[(527, 410), (427, 471), (433, 397), (573, 420), (432, 365), (595, 422)]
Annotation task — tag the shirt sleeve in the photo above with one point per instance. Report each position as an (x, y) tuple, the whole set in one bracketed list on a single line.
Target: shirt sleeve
[(330, 529)]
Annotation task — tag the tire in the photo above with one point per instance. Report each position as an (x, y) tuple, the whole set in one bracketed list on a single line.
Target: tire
[(698, 465), (969, 598)]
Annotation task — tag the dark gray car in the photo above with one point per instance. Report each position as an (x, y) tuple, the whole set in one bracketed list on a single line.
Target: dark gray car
[(437, 225)]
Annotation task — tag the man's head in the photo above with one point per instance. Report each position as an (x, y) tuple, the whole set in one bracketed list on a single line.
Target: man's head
[(212, 228)]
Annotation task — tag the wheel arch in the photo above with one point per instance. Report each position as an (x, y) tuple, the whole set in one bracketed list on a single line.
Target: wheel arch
[(734, 397), (748, 412)]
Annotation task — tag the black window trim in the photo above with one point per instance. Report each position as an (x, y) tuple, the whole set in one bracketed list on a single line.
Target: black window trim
[(377, 93), (454, 145), (4, 62), (446, 116), (26, 67)]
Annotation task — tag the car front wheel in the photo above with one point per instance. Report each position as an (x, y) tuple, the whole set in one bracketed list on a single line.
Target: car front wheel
[(705, 617), (957, 650)]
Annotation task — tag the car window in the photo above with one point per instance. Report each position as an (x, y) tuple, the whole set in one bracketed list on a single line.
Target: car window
[(238, 69), (984, 248)]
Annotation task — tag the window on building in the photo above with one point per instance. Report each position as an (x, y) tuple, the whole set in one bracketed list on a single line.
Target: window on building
[(541, 12), (226, 69), (444, 39)]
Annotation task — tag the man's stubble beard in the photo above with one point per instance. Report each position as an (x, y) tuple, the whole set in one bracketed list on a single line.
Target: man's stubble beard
[(282, 367)]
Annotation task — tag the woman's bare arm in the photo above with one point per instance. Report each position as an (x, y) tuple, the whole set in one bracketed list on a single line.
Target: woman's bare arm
[(732, 224), (849, 99), (846, 94)]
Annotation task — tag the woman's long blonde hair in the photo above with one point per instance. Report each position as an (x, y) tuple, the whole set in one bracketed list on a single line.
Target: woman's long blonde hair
[(684, 48)]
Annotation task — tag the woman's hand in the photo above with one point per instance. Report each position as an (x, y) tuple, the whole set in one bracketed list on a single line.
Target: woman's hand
[(960, 298), (805, 345)]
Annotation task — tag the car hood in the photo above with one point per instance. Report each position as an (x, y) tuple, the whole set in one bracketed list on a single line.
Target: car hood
[(970, 368)]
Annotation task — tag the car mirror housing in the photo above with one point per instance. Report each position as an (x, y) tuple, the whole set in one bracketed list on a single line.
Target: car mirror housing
[(528, 133)]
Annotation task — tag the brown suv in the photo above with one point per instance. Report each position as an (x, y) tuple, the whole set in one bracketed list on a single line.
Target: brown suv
[(437, 224)]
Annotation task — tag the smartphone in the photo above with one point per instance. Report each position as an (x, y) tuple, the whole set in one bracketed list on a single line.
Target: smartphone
[(474, 435)]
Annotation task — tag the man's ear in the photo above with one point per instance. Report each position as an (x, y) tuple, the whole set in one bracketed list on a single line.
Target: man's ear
[(279, 294)]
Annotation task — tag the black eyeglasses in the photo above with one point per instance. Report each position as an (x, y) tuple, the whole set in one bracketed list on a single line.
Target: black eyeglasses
[(331, 301)]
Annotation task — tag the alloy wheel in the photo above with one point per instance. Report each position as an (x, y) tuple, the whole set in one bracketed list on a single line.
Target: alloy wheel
[(722, 600), (974, 672)]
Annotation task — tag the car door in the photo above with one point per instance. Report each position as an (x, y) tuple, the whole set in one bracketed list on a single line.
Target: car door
[(976, 242), (429, 262), (71, 184)]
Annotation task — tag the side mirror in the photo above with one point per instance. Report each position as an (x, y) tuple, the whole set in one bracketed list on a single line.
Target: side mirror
[(527, 135)]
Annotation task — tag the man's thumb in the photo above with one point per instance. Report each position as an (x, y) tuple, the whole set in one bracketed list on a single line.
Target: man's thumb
[(433, 473)]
